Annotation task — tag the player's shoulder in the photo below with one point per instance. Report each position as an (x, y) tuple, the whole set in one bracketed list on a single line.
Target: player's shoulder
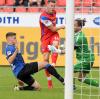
[(82, 34), (10, 47), (44, 16)]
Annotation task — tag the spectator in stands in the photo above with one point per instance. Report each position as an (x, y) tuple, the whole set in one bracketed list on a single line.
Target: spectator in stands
[(21, 2), (42, 2), (37, 2)]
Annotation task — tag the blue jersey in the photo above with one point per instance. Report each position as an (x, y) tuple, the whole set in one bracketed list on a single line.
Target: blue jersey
[(18, 62)]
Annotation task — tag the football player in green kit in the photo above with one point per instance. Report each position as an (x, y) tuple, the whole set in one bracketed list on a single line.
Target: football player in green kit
[(84, 55)]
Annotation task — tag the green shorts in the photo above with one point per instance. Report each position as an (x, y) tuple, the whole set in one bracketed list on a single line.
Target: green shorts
[(83, 66)]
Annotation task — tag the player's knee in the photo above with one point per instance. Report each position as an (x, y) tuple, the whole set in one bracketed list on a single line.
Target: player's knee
[(80, 79), (21, 83), (55, 43), (47, 66), (46, 57), (36, 86), (46, 60)]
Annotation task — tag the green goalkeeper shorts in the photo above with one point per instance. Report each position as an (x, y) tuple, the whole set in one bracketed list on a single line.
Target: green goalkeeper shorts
[(83, 67)]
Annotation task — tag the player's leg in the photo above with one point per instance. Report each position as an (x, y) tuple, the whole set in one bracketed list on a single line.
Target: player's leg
[(32, 68), (54, 55), (32, 84), (85, 68), (51, 70), (35, 85), (20, 83), (46, 54), (84, 79), (55, 39), (46, 59), (25, 76)]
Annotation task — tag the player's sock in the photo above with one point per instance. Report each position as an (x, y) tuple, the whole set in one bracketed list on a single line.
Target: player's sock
[(74, 87), (26, 88), (53, 72), (54, 58), (90, 81), (50, 85)]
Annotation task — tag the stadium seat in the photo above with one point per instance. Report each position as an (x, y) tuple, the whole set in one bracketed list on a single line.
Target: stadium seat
[(42, 9), (10, 2), (33, 9), (77, 3), (61, 2), (96, 9), (82, 10), (86, 10), (46, 2), (87, 3), (20, 9), (8, 9), (62, 10), (97, 3), (1, 10), (77, 10), (2, 2)]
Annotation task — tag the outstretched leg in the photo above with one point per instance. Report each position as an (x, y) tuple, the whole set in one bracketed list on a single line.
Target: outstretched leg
[(83, 78)]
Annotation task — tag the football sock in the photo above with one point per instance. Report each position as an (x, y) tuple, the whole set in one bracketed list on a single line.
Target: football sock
[(26, 88), (50, 85), (53, 72), (74, 87)]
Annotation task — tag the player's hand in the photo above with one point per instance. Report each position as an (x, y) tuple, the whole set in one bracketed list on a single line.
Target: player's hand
[(62, 27), (16, 45)]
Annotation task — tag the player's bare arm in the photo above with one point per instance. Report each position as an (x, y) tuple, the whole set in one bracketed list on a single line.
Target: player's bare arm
[(55, 29), (12, 57)]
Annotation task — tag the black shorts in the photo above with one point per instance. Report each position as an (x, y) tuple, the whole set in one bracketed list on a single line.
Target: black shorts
[(25, 74)]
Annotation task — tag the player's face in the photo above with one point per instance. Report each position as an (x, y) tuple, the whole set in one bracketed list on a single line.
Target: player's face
[(12, 39), (76, 27), (51, 7)]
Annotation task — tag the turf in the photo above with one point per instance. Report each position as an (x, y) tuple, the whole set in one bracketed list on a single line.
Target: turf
[(7, 82), (84, 91)]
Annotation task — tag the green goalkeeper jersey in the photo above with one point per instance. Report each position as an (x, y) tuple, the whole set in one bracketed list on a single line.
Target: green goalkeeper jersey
[(83, 52)]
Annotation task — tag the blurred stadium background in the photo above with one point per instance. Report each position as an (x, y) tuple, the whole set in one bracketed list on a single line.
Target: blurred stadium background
[(81, 6)]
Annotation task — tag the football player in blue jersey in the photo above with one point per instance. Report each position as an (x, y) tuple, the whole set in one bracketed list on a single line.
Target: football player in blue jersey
[(22, 70)]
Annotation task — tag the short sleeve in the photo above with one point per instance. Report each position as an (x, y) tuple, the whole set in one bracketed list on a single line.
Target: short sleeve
[(44, 20), (9, 51)]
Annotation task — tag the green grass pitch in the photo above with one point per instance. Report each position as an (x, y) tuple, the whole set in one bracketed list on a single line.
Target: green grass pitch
[(7, 82)]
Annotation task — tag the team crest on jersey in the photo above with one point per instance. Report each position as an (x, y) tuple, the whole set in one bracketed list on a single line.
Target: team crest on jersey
[(8, 53)]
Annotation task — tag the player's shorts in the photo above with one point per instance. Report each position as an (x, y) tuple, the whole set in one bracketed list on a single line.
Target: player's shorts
[(48, 41), (83, 67), (25, 74)]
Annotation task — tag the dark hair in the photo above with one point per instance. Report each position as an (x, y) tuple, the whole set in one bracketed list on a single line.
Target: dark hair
[(81, 22), (10, 34), (53, 1)]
